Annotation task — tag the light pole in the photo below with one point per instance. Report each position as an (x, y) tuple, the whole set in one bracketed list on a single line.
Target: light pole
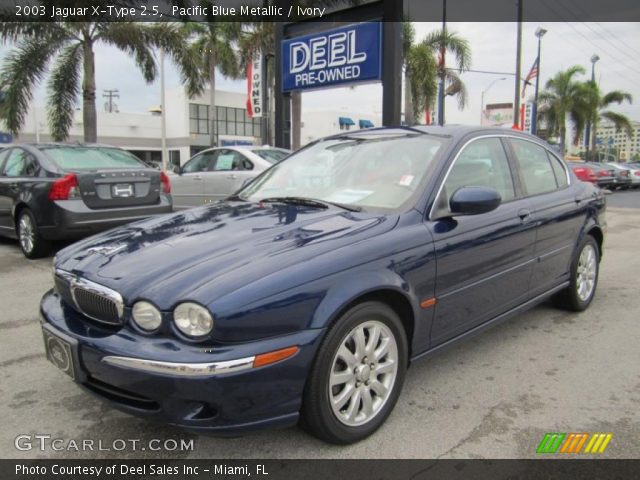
[(482, 97), (534, 111), (587, 133)]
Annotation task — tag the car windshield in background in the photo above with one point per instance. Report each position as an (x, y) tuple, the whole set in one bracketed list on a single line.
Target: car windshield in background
[(270, 155), (91, 158), (361, 171)]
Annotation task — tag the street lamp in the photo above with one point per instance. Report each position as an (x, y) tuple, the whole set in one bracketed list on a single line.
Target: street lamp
[(587, 132), (482, 96), (534, 111)]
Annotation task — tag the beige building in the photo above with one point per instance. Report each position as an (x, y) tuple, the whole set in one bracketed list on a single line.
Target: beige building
[(629, 146)]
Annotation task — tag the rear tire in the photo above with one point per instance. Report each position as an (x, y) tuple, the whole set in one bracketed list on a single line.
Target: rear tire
[(31, 242), (357, 375), (584, 277)]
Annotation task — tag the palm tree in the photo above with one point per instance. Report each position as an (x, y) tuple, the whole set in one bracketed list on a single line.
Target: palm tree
[(562, 96), (215, 43), (595, 105), (423, 70), (70, 45), (444, 41)]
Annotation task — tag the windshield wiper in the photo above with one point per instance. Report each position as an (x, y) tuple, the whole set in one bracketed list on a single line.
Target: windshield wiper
[(310, 202)]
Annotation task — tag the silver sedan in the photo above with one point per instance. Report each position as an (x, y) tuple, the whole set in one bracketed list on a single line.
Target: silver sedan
[(218, 172)]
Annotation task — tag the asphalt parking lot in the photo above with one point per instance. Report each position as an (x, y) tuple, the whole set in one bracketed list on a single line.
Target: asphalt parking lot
[(494, 396)]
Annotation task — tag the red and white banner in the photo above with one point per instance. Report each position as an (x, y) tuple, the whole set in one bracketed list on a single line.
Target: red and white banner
[(254, 88)]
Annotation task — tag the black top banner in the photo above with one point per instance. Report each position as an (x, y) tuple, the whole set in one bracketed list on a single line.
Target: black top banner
[(318, 10)]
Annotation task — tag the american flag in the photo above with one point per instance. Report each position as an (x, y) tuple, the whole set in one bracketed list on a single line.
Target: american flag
[(533, 73)]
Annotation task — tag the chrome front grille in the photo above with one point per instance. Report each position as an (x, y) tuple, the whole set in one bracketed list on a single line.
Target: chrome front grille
[(93, 300)]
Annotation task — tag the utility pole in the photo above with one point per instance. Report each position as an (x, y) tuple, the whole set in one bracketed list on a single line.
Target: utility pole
[(442, 65), (516, 101), (587, 134), (163, 118), (110, 95)]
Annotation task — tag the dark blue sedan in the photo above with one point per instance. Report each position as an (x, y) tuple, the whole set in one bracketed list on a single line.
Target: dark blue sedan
[(306, 295)]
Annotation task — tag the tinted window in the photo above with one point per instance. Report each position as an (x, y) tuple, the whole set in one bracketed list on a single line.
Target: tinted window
[(199, 163), (559, 170), (535, 167), (3, 155), (482, 163), (20, 164), (92, 158)]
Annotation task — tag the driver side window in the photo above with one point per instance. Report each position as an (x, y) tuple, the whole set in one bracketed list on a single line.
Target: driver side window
[(482, 163), (199, 163)]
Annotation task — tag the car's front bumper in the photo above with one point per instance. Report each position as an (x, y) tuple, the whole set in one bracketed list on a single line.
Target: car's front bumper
[(209, 390), (71, 219)]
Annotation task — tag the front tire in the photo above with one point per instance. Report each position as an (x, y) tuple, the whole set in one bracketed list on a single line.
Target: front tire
[(584, 277), (31, 242), (357, 375)]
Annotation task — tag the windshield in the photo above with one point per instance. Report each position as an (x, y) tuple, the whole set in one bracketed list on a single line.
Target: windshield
[(92, 158), (368, 172), (270, 155)]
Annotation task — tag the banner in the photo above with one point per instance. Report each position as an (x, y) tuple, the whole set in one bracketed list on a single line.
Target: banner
[(254, 88)]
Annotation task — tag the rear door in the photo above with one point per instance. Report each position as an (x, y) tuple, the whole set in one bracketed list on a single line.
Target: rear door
[(558, 210), (188, 187), (484, 261), (230, 169), (17, 171)]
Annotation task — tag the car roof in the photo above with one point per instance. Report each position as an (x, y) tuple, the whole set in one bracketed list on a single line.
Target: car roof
[(63, 144)]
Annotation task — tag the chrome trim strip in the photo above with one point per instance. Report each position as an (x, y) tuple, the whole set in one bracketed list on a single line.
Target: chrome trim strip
[(181, 369), (78, 282)]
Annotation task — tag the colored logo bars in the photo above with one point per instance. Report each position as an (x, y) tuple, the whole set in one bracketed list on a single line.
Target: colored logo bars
[(573, 443)]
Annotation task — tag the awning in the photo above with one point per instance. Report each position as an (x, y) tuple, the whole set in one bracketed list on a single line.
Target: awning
[(365, 124), (345, 121)]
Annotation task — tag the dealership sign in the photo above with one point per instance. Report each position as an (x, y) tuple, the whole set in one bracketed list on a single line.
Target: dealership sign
[(334, 57), (254, 87)]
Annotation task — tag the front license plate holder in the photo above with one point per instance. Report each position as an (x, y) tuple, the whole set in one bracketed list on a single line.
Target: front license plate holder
[(62, 351)]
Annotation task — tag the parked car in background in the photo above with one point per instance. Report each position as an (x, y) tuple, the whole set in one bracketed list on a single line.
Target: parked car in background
[(583, 172), (308, 293), (605, 175), (60, 191), (634, 172), (216, 173), (624, 179)]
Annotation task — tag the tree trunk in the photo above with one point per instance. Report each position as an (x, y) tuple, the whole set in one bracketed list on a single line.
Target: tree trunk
[(296, 114), (563, 134), (89, 115), (408, 104), (593, 155), (212, 100)]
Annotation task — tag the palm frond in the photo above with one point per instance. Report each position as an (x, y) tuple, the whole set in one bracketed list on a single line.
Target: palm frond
[(615, 96), (12, 32), (620, 121), (23, 68), (453, 43), (64, 88), (422, 72), (134, 39), (456, 87)]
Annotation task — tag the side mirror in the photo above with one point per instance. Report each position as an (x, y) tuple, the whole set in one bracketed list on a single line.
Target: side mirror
[(474, 200), (177, 169)]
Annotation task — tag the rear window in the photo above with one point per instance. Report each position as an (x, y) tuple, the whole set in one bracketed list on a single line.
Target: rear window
[(92, 158), (271, 156)]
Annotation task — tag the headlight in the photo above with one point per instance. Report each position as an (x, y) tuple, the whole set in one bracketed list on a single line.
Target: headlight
[(192, 319), (146, 316)]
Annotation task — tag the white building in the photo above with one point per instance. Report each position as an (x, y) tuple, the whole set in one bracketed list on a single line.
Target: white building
[(320, 123), (608, 138)]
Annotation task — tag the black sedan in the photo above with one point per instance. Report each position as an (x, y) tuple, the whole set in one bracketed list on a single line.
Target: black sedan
[(59, 191), (306, 295)]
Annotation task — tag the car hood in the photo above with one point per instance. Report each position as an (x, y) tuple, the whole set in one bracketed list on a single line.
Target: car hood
[(207, 252)]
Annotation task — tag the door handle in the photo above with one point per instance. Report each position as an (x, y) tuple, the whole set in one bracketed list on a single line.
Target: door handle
[(233, 176), (13, 186), (525, 215), (197, 177)]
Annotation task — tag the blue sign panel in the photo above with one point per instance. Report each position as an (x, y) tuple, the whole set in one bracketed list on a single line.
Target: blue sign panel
[(340, 56)]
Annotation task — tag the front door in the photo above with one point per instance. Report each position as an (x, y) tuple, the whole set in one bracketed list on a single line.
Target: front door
[(187, 188), (483, 262)]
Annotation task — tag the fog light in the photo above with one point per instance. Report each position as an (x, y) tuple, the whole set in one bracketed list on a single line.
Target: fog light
[(192, 319), (146, 316)]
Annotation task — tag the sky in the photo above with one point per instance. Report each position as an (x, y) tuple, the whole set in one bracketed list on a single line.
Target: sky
[(493, 49)]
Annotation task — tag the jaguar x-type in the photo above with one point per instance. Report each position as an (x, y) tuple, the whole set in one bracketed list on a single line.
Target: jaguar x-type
[(307, 294)]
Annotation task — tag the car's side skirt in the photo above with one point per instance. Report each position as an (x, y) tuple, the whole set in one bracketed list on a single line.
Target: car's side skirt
[(491, 323)]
